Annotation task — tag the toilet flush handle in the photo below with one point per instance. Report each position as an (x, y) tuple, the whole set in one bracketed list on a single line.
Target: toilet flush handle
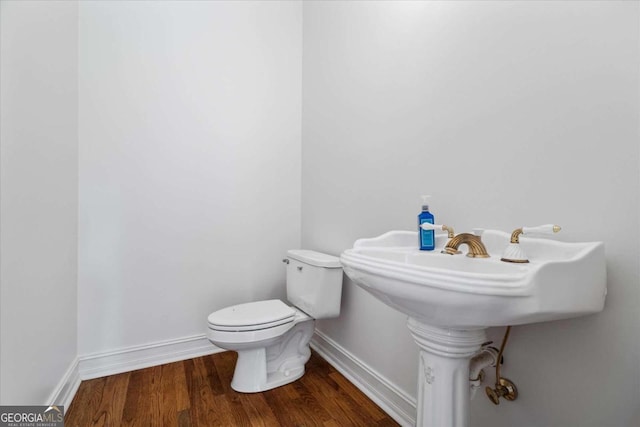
[(286, 261)]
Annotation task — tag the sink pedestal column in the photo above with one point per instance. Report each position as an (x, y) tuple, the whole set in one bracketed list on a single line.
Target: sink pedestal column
[(443, 378)]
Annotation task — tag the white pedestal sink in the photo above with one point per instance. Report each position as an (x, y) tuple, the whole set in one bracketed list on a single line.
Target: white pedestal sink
[(452, 299)]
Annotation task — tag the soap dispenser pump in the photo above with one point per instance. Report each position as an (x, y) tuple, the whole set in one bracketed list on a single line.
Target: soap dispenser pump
[(427, 237)]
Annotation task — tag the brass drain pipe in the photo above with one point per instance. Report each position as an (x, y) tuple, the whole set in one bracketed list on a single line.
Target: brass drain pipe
[(504, 387)]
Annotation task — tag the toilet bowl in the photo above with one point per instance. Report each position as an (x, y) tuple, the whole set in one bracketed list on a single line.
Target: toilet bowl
[(268, 355), (271, 337)]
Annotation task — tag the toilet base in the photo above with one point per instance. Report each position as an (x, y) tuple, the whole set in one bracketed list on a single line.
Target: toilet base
[(250, 375), (278, 362)]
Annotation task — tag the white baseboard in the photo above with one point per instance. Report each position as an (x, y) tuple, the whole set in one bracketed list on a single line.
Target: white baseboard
[(395, 402), (143, 356), (67, 387)]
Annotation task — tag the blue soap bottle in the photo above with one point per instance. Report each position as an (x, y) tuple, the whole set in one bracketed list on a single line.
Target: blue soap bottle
[(427, 237)]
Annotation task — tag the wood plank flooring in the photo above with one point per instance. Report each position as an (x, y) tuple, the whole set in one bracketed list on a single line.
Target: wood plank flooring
[(197, 392)]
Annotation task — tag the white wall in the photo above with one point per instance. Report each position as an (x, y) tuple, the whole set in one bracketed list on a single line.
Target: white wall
[(510, 114), (38, 194), (189, 163)]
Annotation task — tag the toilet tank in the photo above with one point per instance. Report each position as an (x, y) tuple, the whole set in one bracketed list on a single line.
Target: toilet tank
[(314, 283)]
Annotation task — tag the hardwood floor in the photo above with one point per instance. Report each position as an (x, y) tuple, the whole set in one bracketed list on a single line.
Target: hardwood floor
[(197, 392)]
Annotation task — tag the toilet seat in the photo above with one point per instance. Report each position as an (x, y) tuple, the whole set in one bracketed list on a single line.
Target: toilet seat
[(252, 316)]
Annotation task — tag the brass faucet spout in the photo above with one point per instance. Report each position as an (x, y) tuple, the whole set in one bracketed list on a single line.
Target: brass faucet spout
[(476, 247)]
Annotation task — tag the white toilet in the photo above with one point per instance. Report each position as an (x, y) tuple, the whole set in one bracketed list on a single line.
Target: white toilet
[(271, 337)]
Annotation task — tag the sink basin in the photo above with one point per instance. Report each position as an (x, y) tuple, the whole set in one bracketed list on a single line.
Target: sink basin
[(562, 280)]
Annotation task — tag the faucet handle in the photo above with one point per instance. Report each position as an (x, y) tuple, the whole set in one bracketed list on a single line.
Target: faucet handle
[(478, 231), (540, 229), (438, 227)]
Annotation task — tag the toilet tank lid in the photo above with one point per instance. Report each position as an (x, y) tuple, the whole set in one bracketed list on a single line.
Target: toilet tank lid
[(314, 258)]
